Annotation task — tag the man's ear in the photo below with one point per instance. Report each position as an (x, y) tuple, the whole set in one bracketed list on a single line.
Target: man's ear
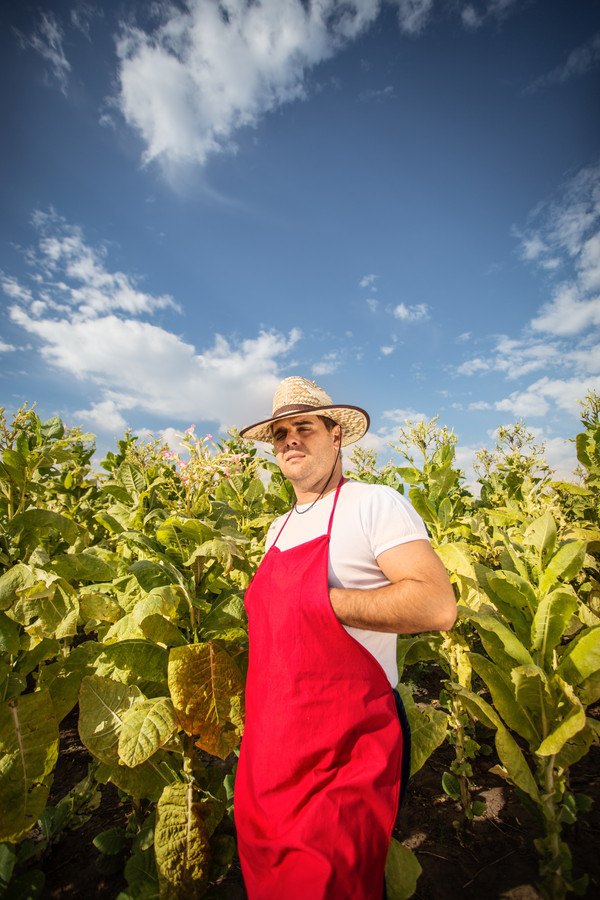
[(338, 435)]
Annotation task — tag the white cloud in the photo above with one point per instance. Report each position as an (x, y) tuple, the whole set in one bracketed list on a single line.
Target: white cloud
[(415, 313), (6, 348), (480, 405), (578, 62), (103, 417), (368, 281), (472, 366), (464, 337), (534, 400), (400, 415), (330, 363), (47, 40), (387, 349), (413, 14), (82, 16), (378, 96), (210, 69), (567, 313), (372, 304), (88, 324)]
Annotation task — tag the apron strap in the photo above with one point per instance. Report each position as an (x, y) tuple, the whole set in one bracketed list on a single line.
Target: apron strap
[(335, 500), (282, 527)]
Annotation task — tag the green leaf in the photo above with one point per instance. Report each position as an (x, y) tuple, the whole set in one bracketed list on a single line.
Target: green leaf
[(146, 727), (515, 765), (102, 707), (541, 535), (133, 662), (10, 635), (402, 871), (131, 477), (35, 525), (98, 607), (111, 842), (423, 505), (12, 581), (551, 620), (63, 678), (500, 642), (85, 566), (207, 690), (428, 728), (141, 875), (144, 782), (160, 631), (564, 565), (582, 657), (577, 746), (504, 698), (181, 843), (151, 575), (533, 696), (28, 754), (451, 786), (515, 599), (573, 722)]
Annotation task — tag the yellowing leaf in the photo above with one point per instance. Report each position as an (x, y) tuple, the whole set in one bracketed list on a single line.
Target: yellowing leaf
[(205, 684), (102, 707), (28, 754), (146, 727), (181, 844)]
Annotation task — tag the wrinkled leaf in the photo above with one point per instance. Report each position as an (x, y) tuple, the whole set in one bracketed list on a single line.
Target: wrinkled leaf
[(146, 727), (181, 843)]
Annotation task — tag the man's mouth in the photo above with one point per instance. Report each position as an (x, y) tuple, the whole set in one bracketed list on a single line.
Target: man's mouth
[(293, 456)]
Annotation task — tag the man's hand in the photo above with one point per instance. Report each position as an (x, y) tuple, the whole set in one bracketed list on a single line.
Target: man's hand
[(419, 598)]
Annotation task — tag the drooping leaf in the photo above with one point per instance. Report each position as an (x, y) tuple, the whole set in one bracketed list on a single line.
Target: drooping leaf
[(52, 614), (564, 565), (10, 632), (181, 844), (98, 607), (534, 697), (428, 727), (550, 622), (572, 722), (28, 754), (17, 577), (500, 642), (504, 697), (541, 534), (151, 575), (34, 525), (582, 657), (205, 685), (402, 871), (159, 630), (146, 727), (102, 707)]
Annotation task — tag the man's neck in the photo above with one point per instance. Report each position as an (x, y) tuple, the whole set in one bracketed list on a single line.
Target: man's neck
[(309, 494)]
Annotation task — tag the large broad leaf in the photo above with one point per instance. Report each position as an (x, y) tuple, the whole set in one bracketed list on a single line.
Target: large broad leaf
[(500, 642), (85, 566), (144, 782), (142, 877), (428, 728), (457, 559), (564, 565), (402, 870), (576, 747), (98, 607), (181, 844), (207, 691), (63, 678), (504, 699), (534, 697), (550, 622), (102, 707), (163, 602), (541, 534), (160, 631), (35, 525), (572, 722), (28, 754), (515, 599), (10, 635), (12, 581), (514, 765), (582, 657), (415, 649), (132, 477), (133, 662), (151, 575), (52, 614), (146, 727)]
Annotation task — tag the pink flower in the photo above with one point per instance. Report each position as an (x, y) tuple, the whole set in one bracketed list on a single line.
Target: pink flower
[(190, 430), (208, 437)]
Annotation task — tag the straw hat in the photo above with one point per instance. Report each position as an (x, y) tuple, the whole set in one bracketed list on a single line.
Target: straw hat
[(297, 395)]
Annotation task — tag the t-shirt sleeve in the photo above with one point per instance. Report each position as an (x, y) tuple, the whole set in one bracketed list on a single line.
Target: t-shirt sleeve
[(390, 520)]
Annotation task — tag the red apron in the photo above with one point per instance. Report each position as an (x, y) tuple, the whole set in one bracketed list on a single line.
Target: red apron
[(317, 785)]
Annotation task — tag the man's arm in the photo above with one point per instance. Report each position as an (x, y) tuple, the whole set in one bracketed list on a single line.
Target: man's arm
[(419, 598)]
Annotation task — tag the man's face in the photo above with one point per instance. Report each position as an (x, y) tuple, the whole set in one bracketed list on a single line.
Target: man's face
[(305, 450)]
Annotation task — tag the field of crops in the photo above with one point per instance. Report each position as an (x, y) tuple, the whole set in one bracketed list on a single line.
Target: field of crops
[(121, 612)]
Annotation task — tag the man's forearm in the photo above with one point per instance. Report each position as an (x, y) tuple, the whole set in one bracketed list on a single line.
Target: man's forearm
[(405, 607)]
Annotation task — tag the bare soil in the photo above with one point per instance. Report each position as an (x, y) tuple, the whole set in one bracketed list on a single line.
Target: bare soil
[(494, 859)]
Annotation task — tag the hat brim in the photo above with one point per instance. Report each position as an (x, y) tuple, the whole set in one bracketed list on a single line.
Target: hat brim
[(353, 420)]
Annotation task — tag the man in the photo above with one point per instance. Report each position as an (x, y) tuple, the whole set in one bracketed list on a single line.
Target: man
[(348, 569)]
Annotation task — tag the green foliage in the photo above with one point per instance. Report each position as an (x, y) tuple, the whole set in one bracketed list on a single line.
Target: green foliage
[(124, 592)]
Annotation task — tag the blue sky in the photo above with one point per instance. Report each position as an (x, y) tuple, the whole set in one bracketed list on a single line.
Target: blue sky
[(400, 199)]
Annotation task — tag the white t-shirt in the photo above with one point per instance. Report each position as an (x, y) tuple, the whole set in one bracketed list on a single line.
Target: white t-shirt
[(368, 519)]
